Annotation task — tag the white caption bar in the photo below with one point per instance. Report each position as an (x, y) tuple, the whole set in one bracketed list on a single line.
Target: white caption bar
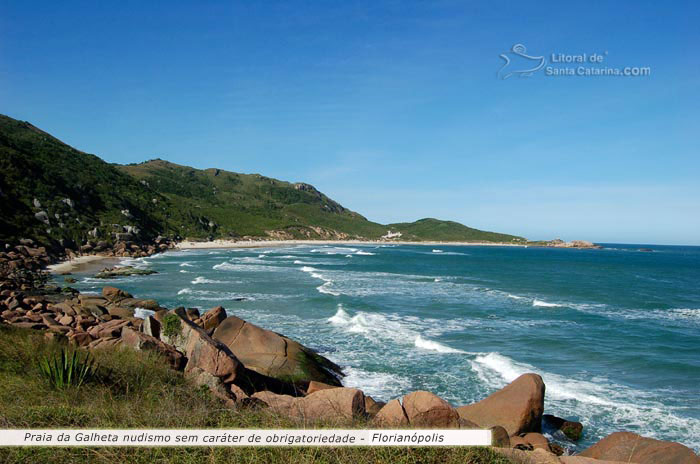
[(244, 437)]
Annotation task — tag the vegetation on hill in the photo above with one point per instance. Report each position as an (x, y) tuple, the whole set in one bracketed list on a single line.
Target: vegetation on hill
[(60, 196), (136, 389), (448, 231)]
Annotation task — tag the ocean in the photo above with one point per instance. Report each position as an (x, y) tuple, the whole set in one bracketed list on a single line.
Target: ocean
[(615, 333)]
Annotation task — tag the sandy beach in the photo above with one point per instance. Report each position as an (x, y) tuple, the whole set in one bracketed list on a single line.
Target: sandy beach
[(85, 263), (280, 243)]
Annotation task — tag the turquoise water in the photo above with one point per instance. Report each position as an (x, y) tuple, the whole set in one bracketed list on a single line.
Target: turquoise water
[(615, 333)]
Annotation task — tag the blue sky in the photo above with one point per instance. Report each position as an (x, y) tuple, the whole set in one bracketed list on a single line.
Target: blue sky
[(394, 109)]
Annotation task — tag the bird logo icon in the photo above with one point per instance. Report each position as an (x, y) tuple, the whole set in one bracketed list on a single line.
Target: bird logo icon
[(518, 63)]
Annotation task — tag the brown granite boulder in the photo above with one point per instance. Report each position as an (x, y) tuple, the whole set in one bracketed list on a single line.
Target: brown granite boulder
[(392, 415), (424, 409), (212, 318), (275, 355), (141, 341), (331, 404), (115, 294), (630, 447), (517, 407), (203, 352), (316, 386)]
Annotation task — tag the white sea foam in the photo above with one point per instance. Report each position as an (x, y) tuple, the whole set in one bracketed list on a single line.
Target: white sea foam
[(379, 385), (184, 271), (420, 342), (186, 264), (203, 280), (380, 328), (143, 313), (437, 279), (327, 285), (544, 304), (616, 405), (365, 253), (516, 297), (438, 251), (185, 291)]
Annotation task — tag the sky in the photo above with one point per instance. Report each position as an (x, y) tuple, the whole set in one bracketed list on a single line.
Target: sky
[(397, 110)]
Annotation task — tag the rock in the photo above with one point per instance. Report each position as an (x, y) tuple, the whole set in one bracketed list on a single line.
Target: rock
[(517, 407), (275, 355), (424, 409), (499, 437), (192, 313), (109, 273), (571, 429), (122, 313), (140, 303), (151, 327), (582, 460), (110, 329), (115, 294), (202, 378), (372, 407), (537, 440), (212, 318), (316, 386), (80, 338), (518, 442), (392, 415), (140, 341), (107, 342), (29, 325), (203, 352), (630, 447), (519, 456), (331, 404)]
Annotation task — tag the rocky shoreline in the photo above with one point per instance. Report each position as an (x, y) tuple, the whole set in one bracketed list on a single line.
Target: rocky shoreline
[(245, 365)]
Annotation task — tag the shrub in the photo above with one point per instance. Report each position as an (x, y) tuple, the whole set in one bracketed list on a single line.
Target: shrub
[(171, 325), (66, 369)]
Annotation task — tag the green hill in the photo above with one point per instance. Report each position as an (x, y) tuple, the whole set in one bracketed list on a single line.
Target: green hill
[(447, 231), (60, 196)]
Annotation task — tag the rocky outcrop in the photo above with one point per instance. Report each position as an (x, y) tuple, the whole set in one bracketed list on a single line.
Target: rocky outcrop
[(420, 409), (328, 405), (275, 355), (630, 447), (109, 273), (517, 407)]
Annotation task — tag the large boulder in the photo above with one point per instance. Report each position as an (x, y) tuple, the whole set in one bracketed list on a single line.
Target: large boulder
[(517, 407), (328, 405), (141, 341), (424, 409), (630, 447), (214, 357), (201, 350), (275, 355)]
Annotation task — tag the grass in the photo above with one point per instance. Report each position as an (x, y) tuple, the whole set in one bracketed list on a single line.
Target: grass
[(137, 390)]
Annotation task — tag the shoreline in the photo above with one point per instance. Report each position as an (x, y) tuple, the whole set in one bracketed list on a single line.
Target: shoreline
[(85, 263), (190, 244)]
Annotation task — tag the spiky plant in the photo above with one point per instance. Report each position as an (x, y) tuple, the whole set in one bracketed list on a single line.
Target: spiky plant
[(68, 368)]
